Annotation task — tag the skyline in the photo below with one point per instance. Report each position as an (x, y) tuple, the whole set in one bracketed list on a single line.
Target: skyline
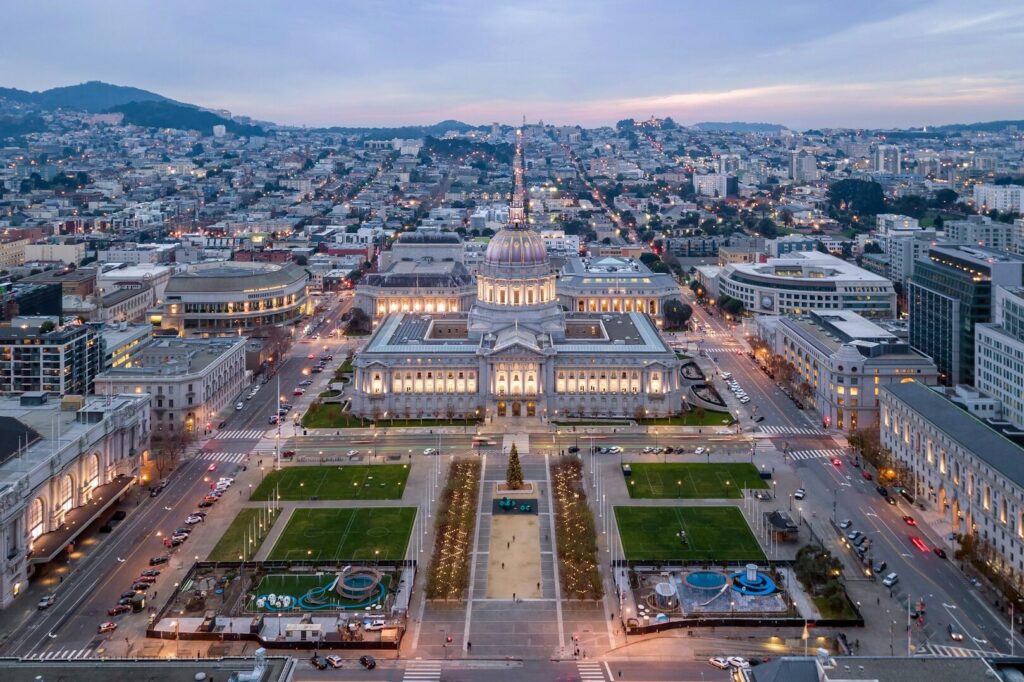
[(926, 62)]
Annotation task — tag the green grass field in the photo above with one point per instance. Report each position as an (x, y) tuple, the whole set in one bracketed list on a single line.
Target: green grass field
[(361, 534), (713, 534), (693, 480), (347, 482), (229, 547), (331, 416)]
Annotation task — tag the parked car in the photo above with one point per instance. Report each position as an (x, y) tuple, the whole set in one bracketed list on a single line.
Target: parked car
[(335, 661), (318, 662), (205, 503), (845, 523), (881, 489), (720, 662), (157, 560), (118, 610), (193, 519), (140, 587), (151, 572), (239, 407), (879, 566), (866, 475), (126, 601), (368, 662), (890, 580), (799, 494), (146, 579), (107, 626), (738, 662), (46, 602)]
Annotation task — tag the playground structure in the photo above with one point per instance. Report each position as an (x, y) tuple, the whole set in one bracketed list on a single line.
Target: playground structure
[(354, 588), (752, 583), (506, 504)]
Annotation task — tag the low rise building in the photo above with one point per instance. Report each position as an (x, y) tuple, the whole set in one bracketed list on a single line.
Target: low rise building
[(60, 469), (192, 381), (844, 360)]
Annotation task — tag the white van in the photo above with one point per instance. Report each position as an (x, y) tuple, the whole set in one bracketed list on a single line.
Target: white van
[(890, 580)]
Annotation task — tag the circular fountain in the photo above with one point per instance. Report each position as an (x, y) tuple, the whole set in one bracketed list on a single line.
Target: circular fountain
[(753, 583), (665, 596), (710, 581)]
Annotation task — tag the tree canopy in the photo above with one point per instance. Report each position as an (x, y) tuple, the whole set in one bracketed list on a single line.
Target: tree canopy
[(857, 196)]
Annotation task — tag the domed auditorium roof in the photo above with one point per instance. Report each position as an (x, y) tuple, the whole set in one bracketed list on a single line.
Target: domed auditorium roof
[(516, 246)]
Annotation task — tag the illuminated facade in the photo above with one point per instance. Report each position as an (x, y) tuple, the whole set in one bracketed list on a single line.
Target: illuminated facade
[(229, 297), (516, 353), (611, 284), (845, 360)]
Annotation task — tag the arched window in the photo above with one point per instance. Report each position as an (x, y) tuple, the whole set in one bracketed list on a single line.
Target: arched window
[(35, 518), (92, 471), (66, 497)]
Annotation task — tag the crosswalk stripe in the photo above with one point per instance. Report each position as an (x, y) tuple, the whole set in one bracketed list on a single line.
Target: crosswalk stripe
[(590, 671), (953, 651), (228, 457), (239, 434), (815, 454), (422, 671), (791, 431)]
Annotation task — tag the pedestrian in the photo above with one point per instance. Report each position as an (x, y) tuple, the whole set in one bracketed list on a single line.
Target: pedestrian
[(513, 596), (513, 538), (538, 586), (503, 565), (508, 545)]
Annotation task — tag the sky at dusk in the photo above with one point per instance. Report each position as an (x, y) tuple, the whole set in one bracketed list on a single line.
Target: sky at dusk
[(803, 64)]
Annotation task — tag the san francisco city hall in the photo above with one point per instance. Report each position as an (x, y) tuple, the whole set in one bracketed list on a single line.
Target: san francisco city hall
[(517, 353)]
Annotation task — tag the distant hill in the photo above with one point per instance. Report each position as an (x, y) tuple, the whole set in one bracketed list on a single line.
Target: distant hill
[(15, 126), (981, 127), (739, 127), (435, 130), (168, 114), (93, 96)]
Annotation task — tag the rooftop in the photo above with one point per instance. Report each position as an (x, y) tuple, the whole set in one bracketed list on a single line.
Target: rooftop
[(420, 273), (808, 265), (875, 668), (175, 356), (278, 669), (971, 433), (977, 255), (234, 276)]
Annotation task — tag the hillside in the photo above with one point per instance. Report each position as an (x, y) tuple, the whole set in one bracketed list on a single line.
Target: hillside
[(435, 130), (167, 114), (93, 96), (738, 127), (980, 127)]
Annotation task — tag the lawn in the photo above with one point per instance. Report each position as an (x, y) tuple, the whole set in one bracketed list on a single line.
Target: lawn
[(713, 534), (347, 482), (592, 422), (331, 416), (693, 480), (361, 534), (229, 547), (691, 418), (297, 584)]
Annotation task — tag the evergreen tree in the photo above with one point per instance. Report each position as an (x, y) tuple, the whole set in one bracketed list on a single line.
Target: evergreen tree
[(514, 473)]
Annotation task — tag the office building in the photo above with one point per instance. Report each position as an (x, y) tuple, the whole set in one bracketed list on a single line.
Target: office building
[(194, 383), (845, 359), (999, 353), (885, 222), (948, 295), (61, 469), (799, 282), (979, 230)]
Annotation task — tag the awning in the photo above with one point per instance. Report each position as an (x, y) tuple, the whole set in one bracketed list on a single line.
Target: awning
[(49, 545)]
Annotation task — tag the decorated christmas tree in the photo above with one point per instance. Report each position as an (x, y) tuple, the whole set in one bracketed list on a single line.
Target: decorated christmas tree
[(514, 473)]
